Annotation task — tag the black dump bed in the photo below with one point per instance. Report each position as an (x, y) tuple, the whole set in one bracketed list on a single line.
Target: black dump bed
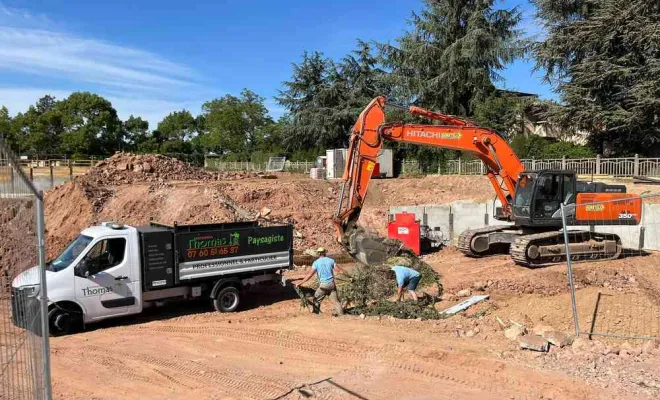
[(178, 254)]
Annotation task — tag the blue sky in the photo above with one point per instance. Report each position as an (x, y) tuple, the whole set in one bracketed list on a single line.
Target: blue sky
[(153, 57)]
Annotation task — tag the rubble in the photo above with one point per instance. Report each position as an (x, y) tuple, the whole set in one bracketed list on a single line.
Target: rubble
[(557, 338), (533, 342), (126, 168), (464, 293)]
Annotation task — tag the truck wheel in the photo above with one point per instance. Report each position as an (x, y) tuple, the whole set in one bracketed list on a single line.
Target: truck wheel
[(61, 322), (227, 299)]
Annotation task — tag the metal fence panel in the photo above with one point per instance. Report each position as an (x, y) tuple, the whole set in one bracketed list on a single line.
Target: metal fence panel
[(24, 358), (625, 232)]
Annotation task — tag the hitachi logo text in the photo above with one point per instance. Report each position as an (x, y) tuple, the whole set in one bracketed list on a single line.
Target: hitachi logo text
[(435, 135)]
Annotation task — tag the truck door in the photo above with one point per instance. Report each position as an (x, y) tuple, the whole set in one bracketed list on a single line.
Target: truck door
[(104, 281)]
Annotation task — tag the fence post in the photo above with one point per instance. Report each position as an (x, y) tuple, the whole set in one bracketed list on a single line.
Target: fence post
[(52, 179), (70, 170), (459, 166), (563, 162), (533, 164), (636, 166), (31, 174), (481, 167), (43, 297), (11, 169), (569, 271), (598, 164)]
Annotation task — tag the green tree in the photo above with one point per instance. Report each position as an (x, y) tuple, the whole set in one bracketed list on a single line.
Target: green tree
[(502, 113), (325, 98), (235, 125), (178, 126), (90, 125), (39, 129), (135, 131), (5, 127), (603, 59), (452, 55)]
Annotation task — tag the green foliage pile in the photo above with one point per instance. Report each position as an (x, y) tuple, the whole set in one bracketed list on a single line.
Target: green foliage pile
[(370, 288)]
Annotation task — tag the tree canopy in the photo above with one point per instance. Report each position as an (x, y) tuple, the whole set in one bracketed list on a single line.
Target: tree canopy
[(604, 60)]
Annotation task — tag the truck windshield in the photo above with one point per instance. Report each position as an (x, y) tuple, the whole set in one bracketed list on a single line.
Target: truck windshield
[(524, 192), (70, 253)]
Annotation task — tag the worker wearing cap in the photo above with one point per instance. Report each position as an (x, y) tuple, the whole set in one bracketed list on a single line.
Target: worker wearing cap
[(406, 277), (324, 267)]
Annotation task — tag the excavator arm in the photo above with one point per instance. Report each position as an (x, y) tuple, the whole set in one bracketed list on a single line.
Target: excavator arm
[(366, 141)]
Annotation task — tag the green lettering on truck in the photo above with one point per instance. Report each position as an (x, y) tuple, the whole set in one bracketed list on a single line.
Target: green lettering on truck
[(265, 240)]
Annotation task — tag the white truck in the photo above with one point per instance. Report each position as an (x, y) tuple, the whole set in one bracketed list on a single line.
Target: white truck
[(114, 270)]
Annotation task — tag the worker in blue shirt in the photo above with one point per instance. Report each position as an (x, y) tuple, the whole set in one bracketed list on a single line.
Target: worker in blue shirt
[(406, 277), (324, 267)]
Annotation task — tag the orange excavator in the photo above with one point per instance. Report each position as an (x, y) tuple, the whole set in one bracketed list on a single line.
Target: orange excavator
[(530, 200)]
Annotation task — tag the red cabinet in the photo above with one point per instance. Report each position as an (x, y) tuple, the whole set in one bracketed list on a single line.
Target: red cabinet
[(407, 229)]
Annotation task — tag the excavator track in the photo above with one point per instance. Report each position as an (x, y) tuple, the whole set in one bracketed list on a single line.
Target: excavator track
[(465, 239), (547, 248)]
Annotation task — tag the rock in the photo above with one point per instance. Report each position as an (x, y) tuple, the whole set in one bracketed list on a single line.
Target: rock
[(528, 290), (540, 329), (624, 354), (533, 342), (464, 293), (470, 333), (477, 330), (479, 286), (611, 350), (146, 167), (513, 332), (635, 351), (265, 211), (362, 316), (121, 166), (557, 338), (137, 168)]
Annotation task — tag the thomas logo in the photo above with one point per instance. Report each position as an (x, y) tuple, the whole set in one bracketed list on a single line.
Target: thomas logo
[(96, 291)]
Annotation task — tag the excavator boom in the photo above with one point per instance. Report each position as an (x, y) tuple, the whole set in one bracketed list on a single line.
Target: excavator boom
[(366, 141)]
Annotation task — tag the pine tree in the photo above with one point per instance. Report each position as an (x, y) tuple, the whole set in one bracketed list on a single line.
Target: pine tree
[(604, 59), (452, 55)]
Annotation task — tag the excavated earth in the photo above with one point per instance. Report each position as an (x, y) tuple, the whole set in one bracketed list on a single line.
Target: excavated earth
[(273, 349)]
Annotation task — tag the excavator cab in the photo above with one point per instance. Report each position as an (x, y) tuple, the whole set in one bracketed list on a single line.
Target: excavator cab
[(539, 195)]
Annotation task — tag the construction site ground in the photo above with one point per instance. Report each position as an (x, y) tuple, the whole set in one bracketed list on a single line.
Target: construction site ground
[(270, 347)]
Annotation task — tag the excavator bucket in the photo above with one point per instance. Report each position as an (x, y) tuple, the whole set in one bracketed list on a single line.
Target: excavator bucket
[(369, 249)]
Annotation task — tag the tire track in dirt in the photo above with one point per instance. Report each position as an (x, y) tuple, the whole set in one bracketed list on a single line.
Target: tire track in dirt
[(239, 382), (457, 374), (264, 337)]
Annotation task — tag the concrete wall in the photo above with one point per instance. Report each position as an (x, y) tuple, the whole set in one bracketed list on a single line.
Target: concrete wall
[(473, 215)]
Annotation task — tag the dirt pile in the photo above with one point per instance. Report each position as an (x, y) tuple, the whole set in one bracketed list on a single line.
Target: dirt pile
[(18, 238), (126, 168)]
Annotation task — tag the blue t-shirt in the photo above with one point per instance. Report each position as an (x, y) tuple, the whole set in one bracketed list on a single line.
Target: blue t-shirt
[(404, 274), (324, 267)]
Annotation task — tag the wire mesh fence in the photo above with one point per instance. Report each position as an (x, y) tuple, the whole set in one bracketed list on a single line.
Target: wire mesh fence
[(623, 234), (24, 360)]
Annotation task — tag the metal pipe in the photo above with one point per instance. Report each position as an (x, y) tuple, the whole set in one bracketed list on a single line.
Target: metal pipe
[(569, 269), (47, 390)]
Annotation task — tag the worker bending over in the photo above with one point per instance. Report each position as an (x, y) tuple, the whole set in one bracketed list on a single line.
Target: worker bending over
[(324, 267), (406, 277)]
